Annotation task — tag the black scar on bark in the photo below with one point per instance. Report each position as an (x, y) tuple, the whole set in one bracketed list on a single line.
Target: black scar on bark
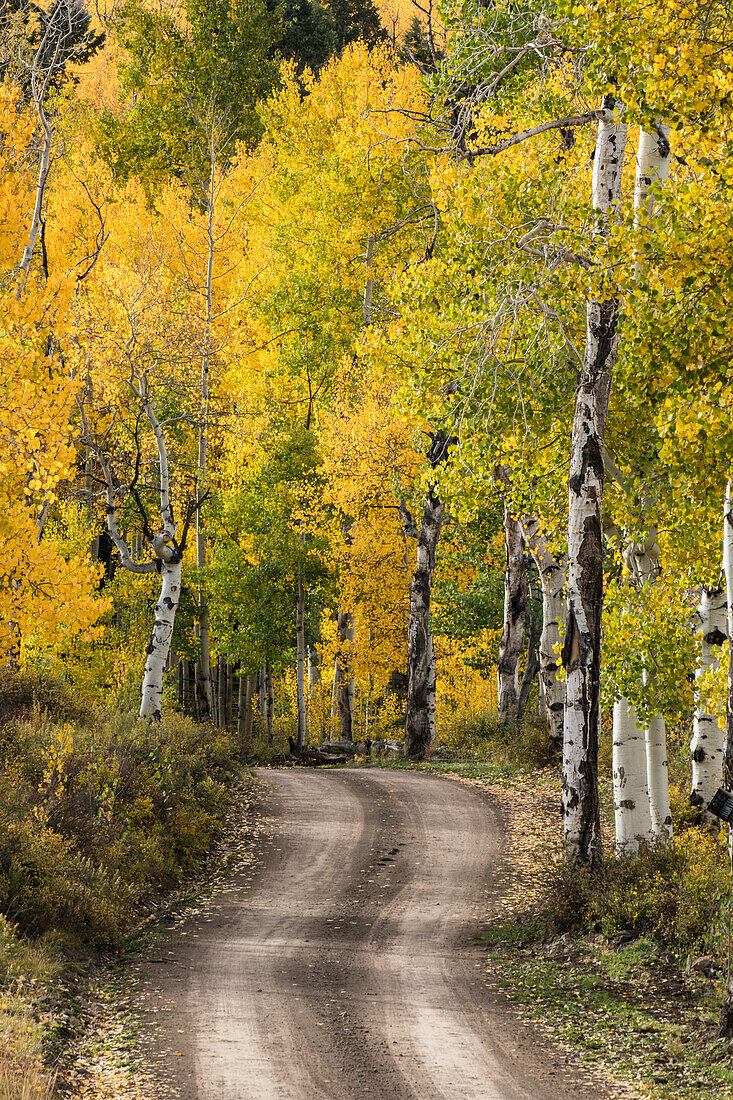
[(169, 603), (715, 637), (592, 460), (627, 803), (699, 755), (570, 653), (516, 606)]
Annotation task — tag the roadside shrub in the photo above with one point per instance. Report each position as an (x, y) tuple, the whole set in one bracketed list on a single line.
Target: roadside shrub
[(22, 961), (27, 692), (46, 884), (483, 737), (670, 893), (98, 810)]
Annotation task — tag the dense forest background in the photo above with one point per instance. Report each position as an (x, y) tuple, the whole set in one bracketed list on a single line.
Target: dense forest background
[(366, 376), (377, 362)]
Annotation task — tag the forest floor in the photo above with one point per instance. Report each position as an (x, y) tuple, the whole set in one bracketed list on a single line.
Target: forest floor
[(339, 960)]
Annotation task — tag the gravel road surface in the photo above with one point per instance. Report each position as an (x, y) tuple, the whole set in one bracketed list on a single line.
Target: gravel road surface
[(343, 965)]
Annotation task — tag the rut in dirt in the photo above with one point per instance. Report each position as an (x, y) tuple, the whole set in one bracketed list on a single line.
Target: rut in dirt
[(344, 965)]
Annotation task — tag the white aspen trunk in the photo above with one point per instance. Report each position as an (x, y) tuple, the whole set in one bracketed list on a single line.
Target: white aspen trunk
[(335, 688), (262, 691), (515, 611), (242, 707), (728, 570), (707, 744), (652, 167), (344, 679), (420, 725), (300, 663), (169, 564), (420, 711), (39, 89), (630, 790), (160, 639), (170, 568), (552, 570), (657, 770), (532, 662), (351, 686), (221, 683), (642, 561), (186, 673), (248, 716), (582, 648), (726, 1012), (314, 667), (432, 683)]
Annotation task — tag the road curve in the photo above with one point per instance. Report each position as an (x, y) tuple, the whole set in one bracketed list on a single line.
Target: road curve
[(344, 967)]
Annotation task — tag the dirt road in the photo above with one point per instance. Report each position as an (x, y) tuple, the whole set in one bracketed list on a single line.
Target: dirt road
[(344, 966)]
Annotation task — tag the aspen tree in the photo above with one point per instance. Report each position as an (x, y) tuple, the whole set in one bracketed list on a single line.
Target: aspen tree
[(652, 168), (728, 573), (707, 744), (39, 591), (552, 569), (726, 1012), (420, 712), (582, 647), (167, 551), (515, 610)]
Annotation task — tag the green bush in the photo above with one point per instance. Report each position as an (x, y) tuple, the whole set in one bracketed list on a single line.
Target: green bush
[(670, 893), (27, 692), (483, 737), (98, 810)]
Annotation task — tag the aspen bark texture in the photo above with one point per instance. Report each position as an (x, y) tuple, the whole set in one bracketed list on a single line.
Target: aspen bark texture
[(582, 648), (708, 737), (515, 612), (420, 710), (552, 569)]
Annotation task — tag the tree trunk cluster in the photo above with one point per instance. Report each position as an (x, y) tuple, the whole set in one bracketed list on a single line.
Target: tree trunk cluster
[(420, 722)]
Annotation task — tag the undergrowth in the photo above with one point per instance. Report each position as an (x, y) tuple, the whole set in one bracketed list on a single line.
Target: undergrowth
[(671, 894), (99, 812)]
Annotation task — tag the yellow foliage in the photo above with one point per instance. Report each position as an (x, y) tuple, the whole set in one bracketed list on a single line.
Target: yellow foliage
[(40, 590)]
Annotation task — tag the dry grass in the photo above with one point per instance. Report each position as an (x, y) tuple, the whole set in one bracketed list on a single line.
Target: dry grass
[(22, 1076)]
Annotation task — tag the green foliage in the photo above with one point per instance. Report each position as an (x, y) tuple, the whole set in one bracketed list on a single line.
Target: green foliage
[(483, 737), (309, 38), (650, 631), (96, 814), (270, 534), (416, 46), (672, 894), (356, 20), (184, 80)]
